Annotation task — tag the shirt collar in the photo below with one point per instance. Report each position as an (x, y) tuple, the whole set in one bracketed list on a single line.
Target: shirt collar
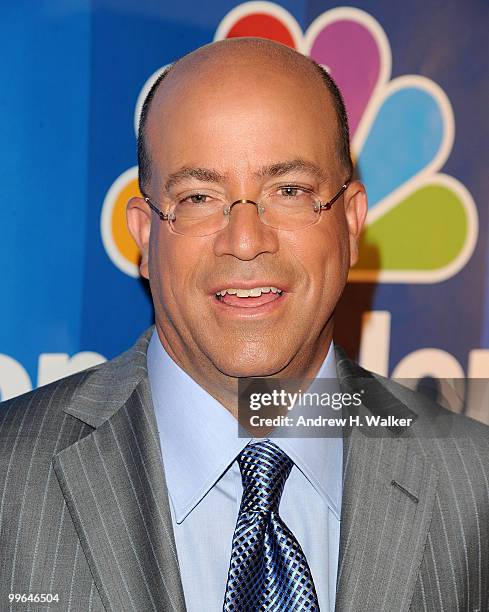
[(199, 437), (319, 459)]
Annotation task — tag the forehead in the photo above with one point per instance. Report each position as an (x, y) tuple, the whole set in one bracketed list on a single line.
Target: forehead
[(241, 109)]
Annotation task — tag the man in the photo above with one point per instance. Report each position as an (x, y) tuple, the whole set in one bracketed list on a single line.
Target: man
[(126, 487)]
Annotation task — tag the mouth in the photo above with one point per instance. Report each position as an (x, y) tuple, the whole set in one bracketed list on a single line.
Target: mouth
[(252, 297)]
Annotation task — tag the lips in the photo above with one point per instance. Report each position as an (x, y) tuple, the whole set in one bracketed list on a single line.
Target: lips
[(249, 297), (249, 302)]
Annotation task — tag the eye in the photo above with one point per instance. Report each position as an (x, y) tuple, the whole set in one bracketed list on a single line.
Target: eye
[(291, 191), (196, 198)]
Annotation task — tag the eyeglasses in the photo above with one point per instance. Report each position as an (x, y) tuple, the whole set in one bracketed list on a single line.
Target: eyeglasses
[(288, 208)]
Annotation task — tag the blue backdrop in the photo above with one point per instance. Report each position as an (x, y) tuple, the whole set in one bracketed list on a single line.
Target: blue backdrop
[(72, 74)]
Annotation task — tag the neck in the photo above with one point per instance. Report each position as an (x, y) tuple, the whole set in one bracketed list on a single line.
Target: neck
[(224, 388)]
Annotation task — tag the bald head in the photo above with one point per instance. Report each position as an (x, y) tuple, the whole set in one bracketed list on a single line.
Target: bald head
[(251, 61)]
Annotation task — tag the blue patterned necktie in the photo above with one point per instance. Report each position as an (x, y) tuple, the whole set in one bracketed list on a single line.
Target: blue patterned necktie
[(268, 569)]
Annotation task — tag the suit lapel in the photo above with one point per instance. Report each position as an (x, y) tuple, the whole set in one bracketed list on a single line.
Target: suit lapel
[(388, 496), (114, 487)]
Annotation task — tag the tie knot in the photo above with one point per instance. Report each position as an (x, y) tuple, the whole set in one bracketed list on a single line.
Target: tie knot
[(264, 470)]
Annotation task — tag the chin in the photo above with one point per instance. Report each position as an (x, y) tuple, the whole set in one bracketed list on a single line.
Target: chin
[(239, 366)]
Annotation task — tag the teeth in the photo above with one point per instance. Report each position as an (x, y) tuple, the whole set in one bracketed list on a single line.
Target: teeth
[(254, 292)]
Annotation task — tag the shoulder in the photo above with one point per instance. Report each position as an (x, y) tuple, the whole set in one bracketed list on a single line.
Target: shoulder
[(456, 445), (62, 411), (451, 441), (437, 425), (39, 413), (33, 428)]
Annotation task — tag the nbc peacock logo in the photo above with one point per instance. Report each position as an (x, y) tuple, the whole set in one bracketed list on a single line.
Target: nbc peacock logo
[(422, 224)]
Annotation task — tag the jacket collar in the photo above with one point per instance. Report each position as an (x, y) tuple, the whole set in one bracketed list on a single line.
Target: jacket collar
[(108, 386)]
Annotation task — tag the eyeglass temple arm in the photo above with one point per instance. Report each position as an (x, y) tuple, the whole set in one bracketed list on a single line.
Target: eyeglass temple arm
[(163, 216), (328, 205)]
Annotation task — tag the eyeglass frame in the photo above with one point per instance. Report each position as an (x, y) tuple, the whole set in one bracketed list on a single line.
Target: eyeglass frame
[(170, 216)]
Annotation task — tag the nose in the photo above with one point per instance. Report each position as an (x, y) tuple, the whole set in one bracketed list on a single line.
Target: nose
[(245, 237)]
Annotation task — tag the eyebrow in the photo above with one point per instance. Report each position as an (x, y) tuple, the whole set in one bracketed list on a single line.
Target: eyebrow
[(291, 165), (272, 170), (201, 174)]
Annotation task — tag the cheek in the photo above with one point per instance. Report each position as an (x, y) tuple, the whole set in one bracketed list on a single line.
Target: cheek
[(323, 255), (169, 265), (176, 264)]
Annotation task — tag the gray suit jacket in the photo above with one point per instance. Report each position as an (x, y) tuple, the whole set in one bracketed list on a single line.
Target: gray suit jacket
[(84, 510)]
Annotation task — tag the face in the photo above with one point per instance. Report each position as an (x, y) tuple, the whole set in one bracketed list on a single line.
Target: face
[(243, 121)]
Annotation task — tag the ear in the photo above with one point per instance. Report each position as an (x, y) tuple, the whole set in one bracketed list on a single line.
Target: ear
[(138, 215), (356, 207)]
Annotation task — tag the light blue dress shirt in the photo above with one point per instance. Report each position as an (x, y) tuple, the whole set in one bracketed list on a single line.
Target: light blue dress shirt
[(200, 444)]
